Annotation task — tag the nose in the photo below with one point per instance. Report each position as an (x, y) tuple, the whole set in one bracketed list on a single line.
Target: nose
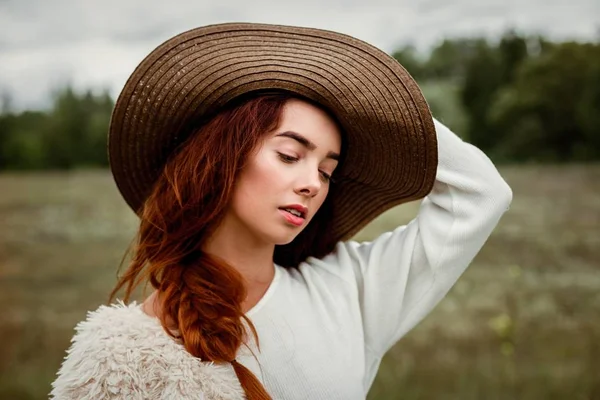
[(309, 185)]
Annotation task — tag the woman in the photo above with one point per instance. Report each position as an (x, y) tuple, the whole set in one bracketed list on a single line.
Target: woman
[(252, 153)]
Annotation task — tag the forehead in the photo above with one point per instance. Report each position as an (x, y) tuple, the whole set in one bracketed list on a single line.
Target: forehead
[(311, 122)]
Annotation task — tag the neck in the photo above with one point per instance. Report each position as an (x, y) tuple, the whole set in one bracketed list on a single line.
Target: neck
[(250, 256)]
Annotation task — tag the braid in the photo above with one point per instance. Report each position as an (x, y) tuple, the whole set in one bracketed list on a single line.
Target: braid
[(205, 301)]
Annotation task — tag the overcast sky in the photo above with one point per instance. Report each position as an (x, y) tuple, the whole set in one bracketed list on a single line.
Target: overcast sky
[(97, 43)]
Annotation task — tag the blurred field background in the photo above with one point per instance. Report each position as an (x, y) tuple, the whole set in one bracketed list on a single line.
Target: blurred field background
[(522, 323)]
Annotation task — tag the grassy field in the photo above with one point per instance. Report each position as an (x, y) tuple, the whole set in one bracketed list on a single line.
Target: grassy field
[(522, 323)]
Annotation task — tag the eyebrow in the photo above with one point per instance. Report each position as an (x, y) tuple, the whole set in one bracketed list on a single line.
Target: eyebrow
[(307, 143)]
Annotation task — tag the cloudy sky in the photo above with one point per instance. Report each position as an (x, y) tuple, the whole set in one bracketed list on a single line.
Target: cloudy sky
[(97, 43)]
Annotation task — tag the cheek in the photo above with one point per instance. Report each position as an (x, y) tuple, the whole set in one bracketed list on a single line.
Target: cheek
[(259, 179)]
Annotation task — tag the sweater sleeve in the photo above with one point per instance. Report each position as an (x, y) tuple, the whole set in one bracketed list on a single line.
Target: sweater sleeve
[(403, 274)]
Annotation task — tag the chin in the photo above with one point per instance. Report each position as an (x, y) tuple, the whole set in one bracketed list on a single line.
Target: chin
[(286, 238), (284, 242), (280, 236)]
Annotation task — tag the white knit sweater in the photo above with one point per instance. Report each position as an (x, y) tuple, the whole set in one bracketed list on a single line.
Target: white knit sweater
[(324, 327)]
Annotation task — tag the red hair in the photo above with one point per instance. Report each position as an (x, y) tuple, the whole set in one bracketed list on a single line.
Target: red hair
[(201, 295)]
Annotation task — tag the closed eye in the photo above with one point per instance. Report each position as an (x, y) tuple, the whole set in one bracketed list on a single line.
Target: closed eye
[(290, 160), (326, 177), (287, 159)]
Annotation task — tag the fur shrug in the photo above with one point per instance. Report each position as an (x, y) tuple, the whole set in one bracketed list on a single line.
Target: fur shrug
[(119, 352)]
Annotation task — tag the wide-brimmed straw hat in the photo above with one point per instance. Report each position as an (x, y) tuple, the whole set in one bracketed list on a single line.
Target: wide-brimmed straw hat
[(390, 141)]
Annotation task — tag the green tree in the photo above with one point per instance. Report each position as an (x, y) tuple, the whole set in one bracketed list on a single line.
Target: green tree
[(76, 133), (449, 59), (21, 143), (72, 134), (410, 60), (513, 51), (483, 77), (588, 109), (549, 112), (6, 121)]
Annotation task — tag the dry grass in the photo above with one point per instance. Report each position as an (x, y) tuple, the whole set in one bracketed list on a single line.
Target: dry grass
[(522, 323)]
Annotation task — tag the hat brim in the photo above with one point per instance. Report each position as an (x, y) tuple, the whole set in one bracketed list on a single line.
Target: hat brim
[(391, 147)]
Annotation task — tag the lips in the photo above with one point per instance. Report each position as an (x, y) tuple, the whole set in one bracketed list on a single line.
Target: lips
[(297, 210), (294, 214)]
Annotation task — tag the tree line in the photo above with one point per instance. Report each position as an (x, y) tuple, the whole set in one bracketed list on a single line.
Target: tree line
[(522, 99), (71, 134), (518, 98)]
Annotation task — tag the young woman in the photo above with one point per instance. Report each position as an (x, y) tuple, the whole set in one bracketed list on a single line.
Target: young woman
[(252, 154)]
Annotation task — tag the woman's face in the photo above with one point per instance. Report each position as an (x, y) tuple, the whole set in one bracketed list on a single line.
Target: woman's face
[(287, 179)]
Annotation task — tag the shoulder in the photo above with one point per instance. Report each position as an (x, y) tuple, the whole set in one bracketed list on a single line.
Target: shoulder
[(339, 267), (350, 257), (120, 322), (105, 355), (122, 329), (120, 352)]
